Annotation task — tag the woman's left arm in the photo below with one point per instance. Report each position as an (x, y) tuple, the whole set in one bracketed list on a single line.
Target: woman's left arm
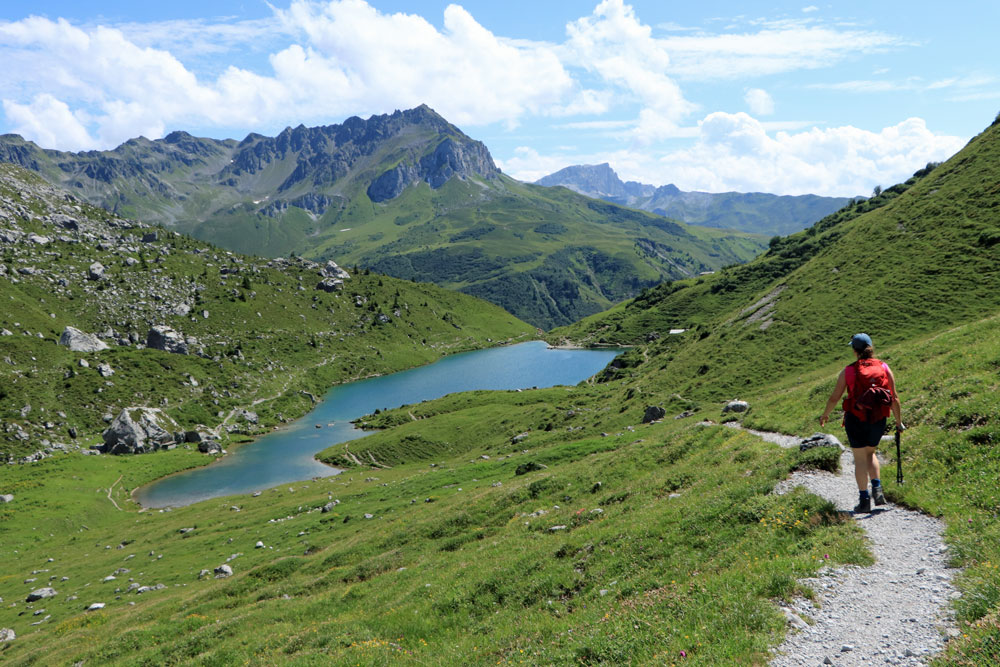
[(895, 400)]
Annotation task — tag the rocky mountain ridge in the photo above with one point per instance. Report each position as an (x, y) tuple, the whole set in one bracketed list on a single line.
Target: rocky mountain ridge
[(756, 212), (406, 194)]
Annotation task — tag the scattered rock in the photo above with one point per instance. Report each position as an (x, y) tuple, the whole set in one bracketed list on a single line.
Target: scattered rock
[(164, 338), (530, 466), (96, 271), (105, 370), (259, 545), (7, 635), (736, 406), (330, 284), (329, 506), (78, 341), (7, 498), (223, 571), (653, 413), (209, 447), (41, 594), (96, 606)]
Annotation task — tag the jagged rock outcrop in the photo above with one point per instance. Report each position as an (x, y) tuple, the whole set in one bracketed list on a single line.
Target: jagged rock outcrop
[(449, 159), (78, 341), (138, 430)]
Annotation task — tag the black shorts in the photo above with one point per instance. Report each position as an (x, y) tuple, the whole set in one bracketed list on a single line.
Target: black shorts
[(863, 434)]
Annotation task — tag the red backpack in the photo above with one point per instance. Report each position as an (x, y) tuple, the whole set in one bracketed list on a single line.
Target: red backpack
[(869, 396)]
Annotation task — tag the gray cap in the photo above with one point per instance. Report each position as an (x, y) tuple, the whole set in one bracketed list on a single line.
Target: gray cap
[(860, 341)]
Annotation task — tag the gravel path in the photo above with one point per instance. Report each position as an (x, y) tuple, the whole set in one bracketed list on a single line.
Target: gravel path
[(896, 612)]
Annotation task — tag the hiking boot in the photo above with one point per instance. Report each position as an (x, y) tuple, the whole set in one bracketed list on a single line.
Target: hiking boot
[(864, 505), (877, 495)]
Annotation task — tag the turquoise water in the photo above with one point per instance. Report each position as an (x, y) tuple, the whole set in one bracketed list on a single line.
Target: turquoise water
[(287, 455)]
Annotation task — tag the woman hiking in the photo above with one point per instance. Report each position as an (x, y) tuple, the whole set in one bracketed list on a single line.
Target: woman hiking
[(871, 396)]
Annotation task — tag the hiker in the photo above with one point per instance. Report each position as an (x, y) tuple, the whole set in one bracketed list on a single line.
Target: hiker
[(871, 396)]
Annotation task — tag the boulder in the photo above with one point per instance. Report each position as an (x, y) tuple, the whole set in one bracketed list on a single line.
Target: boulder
[(7, 498), (164, 338), (653, 413), (209, 447), (96, 271), (223, 571), (96, 606), (192, 436), (330, 284), (78, 341), (331, 270), (819, 440), (105, 370), (138, 430), (736, 406), (66, 222), (41, 594), (329, 506), (150, 237), (7, 635)]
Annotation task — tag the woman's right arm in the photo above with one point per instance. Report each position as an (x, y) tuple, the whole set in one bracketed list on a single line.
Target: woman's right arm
[(831, 402)]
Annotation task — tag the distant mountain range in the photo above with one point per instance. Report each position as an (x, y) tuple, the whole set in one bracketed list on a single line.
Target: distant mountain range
[(755, 212), (406, 194)]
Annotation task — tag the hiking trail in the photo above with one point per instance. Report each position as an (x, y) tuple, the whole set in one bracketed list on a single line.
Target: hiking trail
[(896, 612)]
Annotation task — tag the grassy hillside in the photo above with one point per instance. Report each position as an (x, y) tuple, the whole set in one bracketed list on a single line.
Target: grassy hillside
[(264, 333)]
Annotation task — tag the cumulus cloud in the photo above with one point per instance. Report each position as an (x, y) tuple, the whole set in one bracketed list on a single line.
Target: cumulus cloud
[(614, 44), (350, 57), (759, 102), (48, 121), (735, 152)]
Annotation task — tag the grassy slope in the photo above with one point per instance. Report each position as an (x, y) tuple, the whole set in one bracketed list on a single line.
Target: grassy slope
[(500, 240), (264, 337)]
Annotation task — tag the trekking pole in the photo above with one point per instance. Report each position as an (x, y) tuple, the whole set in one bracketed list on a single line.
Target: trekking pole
[(899, 460)]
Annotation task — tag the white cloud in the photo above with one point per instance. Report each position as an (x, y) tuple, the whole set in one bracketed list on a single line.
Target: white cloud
[(810, 9), (350, 58), (759, 102), (49, 122), (735, 152), (781, 47), (621, 50)]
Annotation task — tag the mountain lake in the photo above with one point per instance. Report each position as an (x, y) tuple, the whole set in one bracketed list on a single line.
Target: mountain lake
[(286, 455)]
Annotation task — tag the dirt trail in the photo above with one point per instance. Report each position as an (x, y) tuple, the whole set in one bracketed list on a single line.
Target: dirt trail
[(896, 612)]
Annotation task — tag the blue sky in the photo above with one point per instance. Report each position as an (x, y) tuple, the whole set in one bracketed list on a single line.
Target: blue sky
[(785, 97)]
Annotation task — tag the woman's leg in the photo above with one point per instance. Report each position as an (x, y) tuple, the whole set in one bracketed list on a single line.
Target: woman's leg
[(861, 465), (874, 470)]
